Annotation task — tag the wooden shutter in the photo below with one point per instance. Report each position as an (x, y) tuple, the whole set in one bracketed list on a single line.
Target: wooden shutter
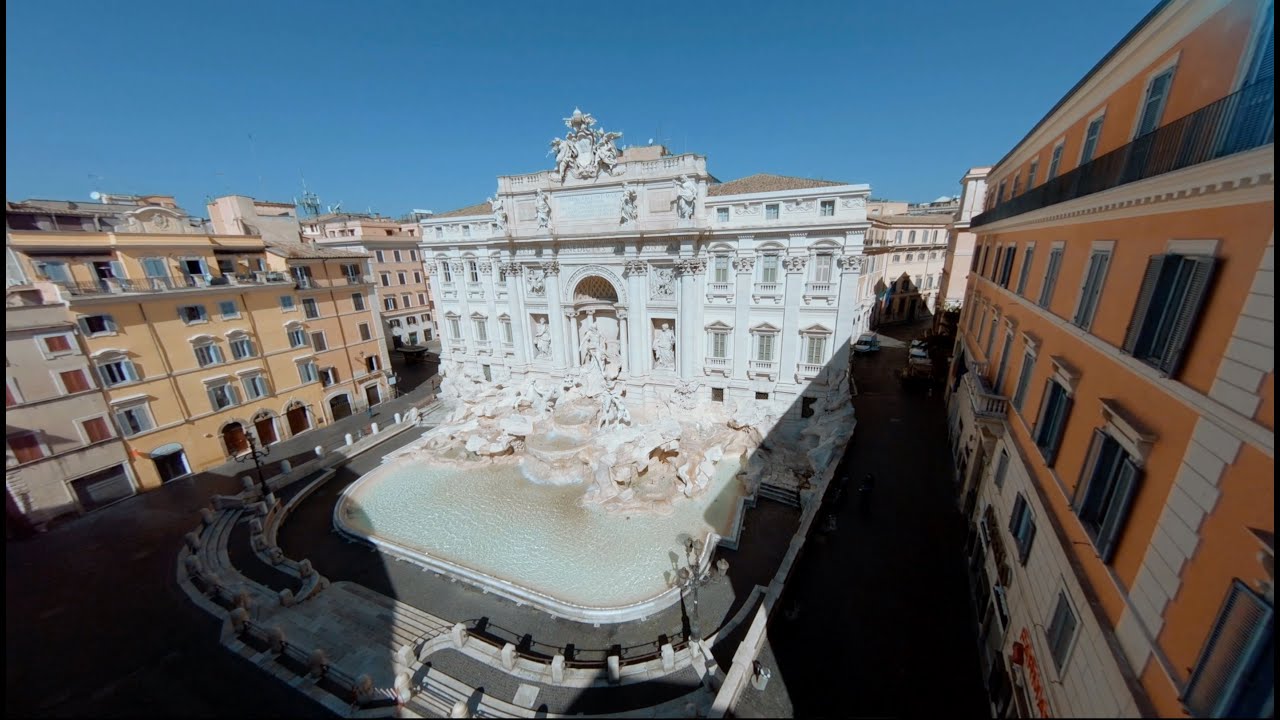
[(1097, 271), (1126, 481), (1188, 312), (74, 381), (1059, 427), (1149, 280), (96, 430), (1019, 507), (26, 447), (1090, 469), (1232, 647)]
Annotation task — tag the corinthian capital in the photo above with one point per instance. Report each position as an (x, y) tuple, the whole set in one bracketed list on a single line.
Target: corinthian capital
[(794, 264), (635, 267), (551, 267)]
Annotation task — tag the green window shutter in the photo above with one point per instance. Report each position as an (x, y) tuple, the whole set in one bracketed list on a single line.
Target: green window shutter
[(1188, 312), (1239, 637), (1149, 280), (1126, 486)]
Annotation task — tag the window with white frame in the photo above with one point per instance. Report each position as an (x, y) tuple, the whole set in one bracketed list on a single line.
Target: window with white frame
[(1061, 631), (422, 298), (222, 395), (445, 270), (769, 268), (357, 301), (1173, 291), (417, 277), (815, 349), (318, 341), (1110, 480), (1094, 277), (93, 325), (1153, 107), (440, 231), (328, 376), (228, 309), (192, 314), (116, 370), (395, 254), (1024, 379), (133, 418), (365, 333), (1026, 267), (827, 208), (466, 231), (1055, 161), (287, 303), (385, 279), (307, 372), (380, 257), (897, 237), (766, 342), (255, 386), (455, 328), (389, 303), (413, 254), (911, 237), (1055, 407), (720, 269), (1050, 277), (481, 329), (1022, 526), (719, 344), (771, 211), (1091, 135), (411, 320), (722, 215), (506, 330), (402, 278), (910, 257), (297, 336), (1031, 173), (207, 352), (373, 363), (473, 271), (822, 263), (1234, 675), (310, 308)]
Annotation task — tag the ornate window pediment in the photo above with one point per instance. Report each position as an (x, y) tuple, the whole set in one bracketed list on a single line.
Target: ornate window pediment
[(453, 315), (815, 329), (1065, 373), (764, 328), (719, 326), (1132, 435), (477, 315)]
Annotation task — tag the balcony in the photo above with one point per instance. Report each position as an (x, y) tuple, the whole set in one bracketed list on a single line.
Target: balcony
[(763, 368), (475, 291), (820, 291), (988, 407), (1238, 122), (767, 290), (720, 290), (483, 346), (125, 286), (808, 371), (717, 366)]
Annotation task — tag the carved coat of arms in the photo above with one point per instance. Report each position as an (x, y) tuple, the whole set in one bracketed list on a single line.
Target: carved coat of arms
[(584, 151)]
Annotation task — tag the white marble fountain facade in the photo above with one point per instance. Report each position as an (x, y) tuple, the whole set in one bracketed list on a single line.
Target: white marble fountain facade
[(621, 335)]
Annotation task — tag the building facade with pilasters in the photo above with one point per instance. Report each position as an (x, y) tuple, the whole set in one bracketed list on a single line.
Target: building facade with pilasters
[(737, 290), (1113, 398)]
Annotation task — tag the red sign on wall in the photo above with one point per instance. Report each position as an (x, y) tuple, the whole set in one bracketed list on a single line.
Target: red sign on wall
[(1033, 670)]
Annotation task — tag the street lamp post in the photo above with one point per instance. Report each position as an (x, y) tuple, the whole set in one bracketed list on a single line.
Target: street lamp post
[(256, 454), (689, 578)]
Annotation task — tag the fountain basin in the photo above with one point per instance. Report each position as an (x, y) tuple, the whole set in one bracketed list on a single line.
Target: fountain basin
[(534, 543)]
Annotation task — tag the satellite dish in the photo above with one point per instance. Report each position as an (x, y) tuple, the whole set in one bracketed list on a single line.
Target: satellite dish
[(95, 195)]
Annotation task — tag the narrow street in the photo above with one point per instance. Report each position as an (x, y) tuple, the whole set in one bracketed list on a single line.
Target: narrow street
[(880, 613)]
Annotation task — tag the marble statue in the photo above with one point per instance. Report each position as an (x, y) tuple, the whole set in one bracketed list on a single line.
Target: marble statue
[(686, 196), (664, 282), (498, 207), (542, 339), (664, 348), (543, 207), (590, 344), (584, 151), (537, 281), (629, 198)]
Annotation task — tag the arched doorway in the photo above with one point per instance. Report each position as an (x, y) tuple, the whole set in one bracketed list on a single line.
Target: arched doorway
[(234, 438), (264, 425), (340, 406), (595, 300), (171, 462), (298, 418)]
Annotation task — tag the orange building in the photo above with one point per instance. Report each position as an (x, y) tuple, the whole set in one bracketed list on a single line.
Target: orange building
[(1112, 405)]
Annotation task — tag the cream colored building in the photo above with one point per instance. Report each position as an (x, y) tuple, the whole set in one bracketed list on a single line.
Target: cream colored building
[(199, 339), (63, 453), (906, 254), (955, 272)]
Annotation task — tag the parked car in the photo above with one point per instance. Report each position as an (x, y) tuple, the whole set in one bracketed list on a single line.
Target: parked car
[(918, 343), (867, 342), (919, 352)]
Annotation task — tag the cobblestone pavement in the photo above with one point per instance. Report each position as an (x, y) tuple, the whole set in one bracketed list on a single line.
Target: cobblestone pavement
[(879, 613), (96, 624)]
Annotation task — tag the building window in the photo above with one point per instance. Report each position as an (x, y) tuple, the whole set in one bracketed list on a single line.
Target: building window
[(357, 302), (307, 371), (1062, 630), (722, 215), (97, 325), (455, 328), (287, 303), (26, 447), (117, 372), (134, 419), (411, 320), (364, 332), (372, 363), (1055, 161), (297, 337), (1102, 500), (506, 331), (1031, 173), (764, 347), (389, 303), (815, 350), (52, 271), (1026, 267), (762, 395), (898, 258), (402, 278), (1007, 268), (1002, 469), (1004, 362), (74, 381), (1050, 277), (1017, 186), (1000, 192), (720, 269), (1172, 293), (310, 308), (207, 353), (1235, 673), (440, 232), (228, 310), (95, 430), (473, 271), (406, 300), (991, 335), (192, 314), (385, 279), (255, 386), (466, 231), (769, 269), (1024, 380), (318, 342), (351, 272), (395, 255), (771, 211), (1022, 526), (1054, 408), (328, 376), (717, 395), (378, 254), (911, 257), (822, 267), (417, 277), (1153, 106), (1094, 277), (481, 329), (1091, 135), (413, 254), (827, 208), (222, 396), (242, 347), (720, 344), (422, 298)]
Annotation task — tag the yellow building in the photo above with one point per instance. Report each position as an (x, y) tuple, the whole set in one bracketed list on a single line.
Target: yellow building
[(199, 339), (1114, 383)]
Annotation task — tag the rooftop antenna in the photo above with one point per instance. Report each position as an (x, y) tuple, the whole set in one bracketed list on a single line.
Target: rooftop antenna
[(310, 203)]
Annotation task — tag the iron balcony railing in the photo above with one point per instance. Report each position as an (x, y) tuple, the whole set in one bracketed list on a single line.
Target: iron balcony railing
[(121, 286), (1238, 122)]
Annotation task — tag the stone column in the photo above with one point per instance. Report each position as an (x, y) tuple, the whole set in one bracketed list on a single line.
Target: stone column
[(623, 348), (792, 299), (846, 309), (571, 327), (488, 282), (687, 317), (744, 266), (464, 309), (637, 274), (555, 315), (515, 308)]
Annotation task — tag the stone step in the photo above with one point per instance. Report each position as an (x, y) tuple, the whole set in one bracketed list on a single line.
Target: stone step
[(785, 496)]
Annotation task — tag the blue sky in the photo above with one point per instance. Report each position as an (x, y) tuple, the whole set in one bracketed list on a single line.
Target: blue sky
[(400, 105)]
